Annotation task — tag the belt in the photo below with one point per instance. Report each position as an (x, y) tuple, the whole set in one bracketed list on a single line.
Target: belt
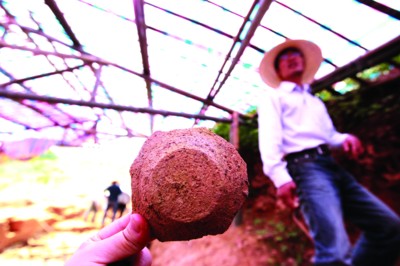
[(308, 153)]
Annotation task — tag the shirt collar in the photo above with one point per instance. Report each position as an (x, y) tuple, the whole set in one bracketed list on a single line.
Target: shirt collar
[(288, 86)]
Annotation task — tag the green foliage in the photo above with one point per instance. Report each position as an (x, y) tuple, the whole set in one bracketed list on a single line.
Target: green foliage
[(286, 238), (350, 85), (44, 179), (248, 141), (280, 227), (350, 111), (397, 59), (258, 221), (248, 133), (38, 170), (368, 75), (375, 72), (261, 232), (325, 95), (222, 129), (49, 155)]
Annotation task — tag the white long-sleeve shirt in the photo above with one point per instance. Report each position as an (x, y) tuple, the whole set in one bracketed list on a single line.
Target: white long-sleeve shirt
[(290, 119)]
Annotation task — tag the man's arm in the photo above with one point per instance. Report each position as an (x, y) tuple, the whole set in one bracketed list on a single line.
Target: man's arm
[(270, 139), (350, 143), (270, 142)]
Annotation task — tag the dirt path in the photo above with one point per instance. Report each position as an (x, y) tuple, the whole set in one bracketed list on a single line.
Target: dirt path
[(60, 232), (236, 246)]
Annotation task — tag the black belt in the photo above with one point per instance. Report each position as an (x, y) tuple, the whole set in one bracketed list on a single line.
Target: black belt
[(308, 153)]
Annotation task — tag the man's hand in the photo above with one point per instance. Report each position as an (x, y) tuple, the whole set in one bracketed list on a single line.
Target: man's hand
[(124, 239), (352, 145), (287, 194)]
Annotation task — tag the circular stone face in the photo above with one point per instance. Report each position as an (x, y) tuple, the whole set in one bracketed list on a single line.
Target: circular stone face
[(188, 183), (187, 188)]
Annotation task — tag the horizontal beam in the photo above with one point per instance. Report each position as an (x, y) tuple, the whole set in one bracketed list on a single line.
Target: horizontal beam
[(93, 59), (55, 100), (382, 8), (19, 81), (384, 53)]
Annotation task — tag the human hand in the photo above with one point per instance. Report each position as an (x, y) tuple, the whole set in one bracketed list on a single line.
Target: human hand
[(353, 146), (287, 194), (124, 239)]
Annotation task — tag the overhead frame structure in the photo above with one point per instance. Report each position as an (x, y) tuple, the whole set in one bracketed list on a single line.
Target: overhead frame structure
[(240, 42)]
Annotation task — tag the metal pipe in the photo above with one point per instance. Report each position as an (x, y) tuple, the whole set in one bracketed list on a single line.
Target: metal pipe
[(384, 53), (54, 100)]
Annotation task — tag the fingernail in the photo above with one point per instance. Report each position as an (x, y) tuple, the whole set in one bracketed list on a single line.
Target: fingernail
[(136, 220)]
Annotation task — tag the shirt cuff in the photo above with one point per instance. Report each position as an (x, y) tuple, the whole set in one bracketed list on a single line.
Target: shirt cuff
[(282, 179), (338, 139)]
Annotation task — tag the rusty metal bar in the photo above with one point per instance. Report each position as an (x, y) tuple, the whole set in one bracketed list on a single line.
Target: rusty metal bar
[(235, 40), (19, 81), (60, 17), (382, 8), (323, 26), (93, 59), (141, 29), (263, 7), (234, 131), (54, 100), (384, 53)]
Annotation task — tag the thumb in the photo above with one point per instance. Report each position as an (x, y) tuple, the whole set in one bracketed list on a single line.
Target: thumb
[(127, 242)]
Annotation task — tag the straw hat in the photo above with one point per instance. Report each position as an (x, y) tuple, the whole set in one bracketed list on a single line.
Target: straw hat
[(312, 55)]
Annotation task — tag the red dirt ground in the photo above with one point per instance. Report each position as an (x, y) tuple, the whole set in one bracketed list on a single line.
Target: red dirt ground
[(55, 225), (50, 237)]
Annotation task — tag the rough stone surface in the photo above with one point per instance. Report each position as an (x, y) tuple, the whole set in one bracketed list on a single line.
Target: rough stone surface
[(188, 183)]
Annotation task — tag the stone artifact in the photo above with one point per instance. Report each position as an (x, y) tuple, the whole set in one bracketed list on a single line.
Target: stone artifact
[(188, 183)]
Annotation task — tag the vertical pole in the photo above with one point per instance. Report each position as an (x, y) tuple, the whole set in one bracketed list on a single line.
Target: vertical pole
[(234, 140), (234, 131)]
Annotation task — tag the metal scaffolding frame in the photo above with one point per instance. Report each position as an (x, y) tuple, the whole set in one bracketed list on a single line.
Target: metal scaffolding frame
[(251, 22)]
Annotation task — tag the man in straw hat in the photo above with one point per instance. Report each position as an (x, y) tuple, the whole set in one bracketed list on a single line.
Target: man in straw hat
[(295, 136)]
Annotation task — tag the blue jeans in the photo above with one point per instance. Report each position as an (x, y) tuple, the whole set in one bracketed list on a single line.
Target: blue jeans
[(328, 194)]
